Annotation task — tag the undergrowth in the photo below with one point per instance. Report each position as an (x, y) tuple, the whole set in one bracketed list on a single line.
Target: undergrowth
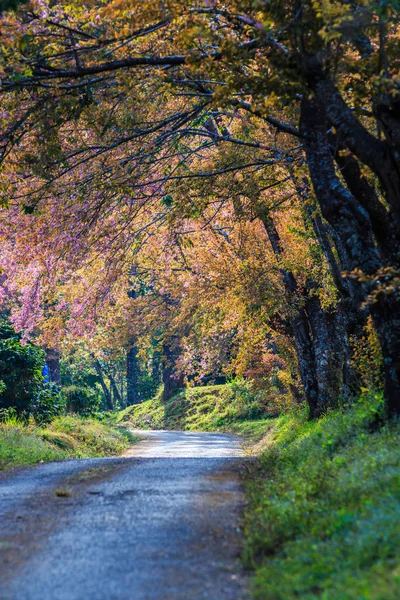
[(324, 508), (66, 437), (231, 407)]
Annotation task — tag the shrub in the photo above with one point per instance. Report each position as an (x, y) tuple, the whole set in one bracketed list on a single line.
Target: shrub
[(250, 403), (21, 369), (48, 403), (82, 400), (22, 388), (87, 437)]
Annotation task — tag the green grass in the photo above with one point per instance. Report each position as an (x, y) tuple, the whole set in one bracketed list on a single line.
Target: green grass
[(231, 407), (323, 515), (323, 520), (66, 437)]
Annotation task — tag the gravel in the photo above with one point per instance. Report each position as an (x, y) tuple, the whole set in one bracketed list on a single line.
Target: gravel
[(160, 523)]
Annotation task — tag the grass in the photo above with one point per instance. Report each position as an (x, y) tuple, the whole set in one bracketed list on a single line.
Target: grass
[(323, 521), (323, 498), (66, 437), (231, 407), (323, 511)]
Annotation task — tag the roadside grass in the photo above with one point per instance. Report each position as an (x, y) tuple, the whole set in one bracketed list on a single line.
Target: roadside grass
[(230, 407), (66, 437), (323, 520), (323, 497)]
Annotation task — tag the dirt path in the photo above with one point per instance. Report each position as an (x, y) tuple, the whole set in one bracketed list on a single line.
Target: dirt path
[(161, 523)]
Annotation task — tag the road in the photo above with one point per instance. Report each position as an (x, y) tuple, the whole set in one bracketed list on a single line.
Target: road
[(160, 523)]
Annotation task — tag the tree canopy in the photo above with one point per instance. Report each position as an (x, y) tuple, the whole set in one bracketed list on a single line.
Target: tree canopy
[(216, 182)]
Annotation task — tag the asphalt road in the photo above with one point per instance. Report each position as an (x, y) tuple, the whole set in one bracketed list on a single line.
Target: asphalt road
[(160, 523)]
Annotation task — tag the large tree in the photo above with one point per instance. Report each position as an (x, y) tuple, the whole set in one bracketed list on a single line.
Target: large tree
[(114, 104)]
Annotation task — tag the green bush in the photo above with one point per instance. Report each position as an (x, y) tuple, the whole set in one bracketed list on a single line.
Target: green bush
[(21, 372), (48, 403), (65, 437), (22, 388), (250, 404), (82, 400)]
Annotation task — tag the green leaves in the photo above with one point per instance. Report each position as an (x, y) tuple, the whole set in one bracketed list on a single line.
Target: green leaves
[(384, 7), (11, 4), (167, 201)]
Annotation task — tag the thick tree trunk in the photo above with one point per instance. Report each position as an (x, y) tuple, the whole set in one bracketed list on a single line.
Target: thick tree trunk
[(328, 239), (321, 370), (347, 318), (386, 233), (329, 335), (53, 362), (172, 380), (132, 377), (353, 226), (382, 157)]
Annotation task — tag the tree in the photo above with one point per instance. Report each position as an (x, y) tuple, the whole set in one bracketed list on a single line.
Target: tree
[(193, 93)]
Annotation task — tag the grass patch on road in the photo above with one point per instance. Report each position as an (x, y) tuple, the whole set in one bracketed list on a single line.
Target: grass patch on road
[(323, 520), (66, 437)]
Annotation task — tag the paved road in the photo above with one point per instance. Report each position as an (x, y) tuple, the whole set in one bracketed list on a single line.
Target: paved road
[(160, 523)]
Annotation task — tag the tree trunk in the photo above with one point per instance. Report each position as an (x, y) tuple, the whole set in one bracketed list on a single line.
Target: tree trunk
[(347, 318), (384, 227), (353, 226), (106, 391), (321, 373), (382, 157), (132, 377), (115, 391), (53, 362), (172, 380), (329, 336)]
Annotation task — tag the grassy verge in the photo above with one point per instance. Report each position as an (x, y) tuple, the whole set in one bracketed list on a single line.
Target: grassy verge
[(323, 516), (66, 437), (210, 408), (324, 509)]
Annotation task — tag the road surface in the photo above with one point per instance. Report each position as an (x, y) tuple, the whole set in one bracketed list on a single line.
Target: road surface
[(160, 523)]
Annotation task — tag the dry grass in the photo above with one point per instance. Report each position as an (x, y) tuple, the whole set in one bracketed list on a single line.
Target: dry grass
[(66, 437)]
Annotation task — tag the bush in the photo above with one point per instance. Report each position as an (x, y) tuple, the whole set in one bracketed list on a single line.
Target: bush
[(22, 388), (66, 437), (21, 371), (250, 403), (87, 437), (48, 403), (82, 400)]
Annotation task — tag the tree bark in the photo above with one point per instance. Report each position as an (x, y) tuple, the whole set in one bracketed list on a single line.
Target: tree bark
[(386, 233), (172, 380), (106, 391), (53, 362), (382, 157), (115, 391), (353, 226), (321, 370), (132, 377)]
